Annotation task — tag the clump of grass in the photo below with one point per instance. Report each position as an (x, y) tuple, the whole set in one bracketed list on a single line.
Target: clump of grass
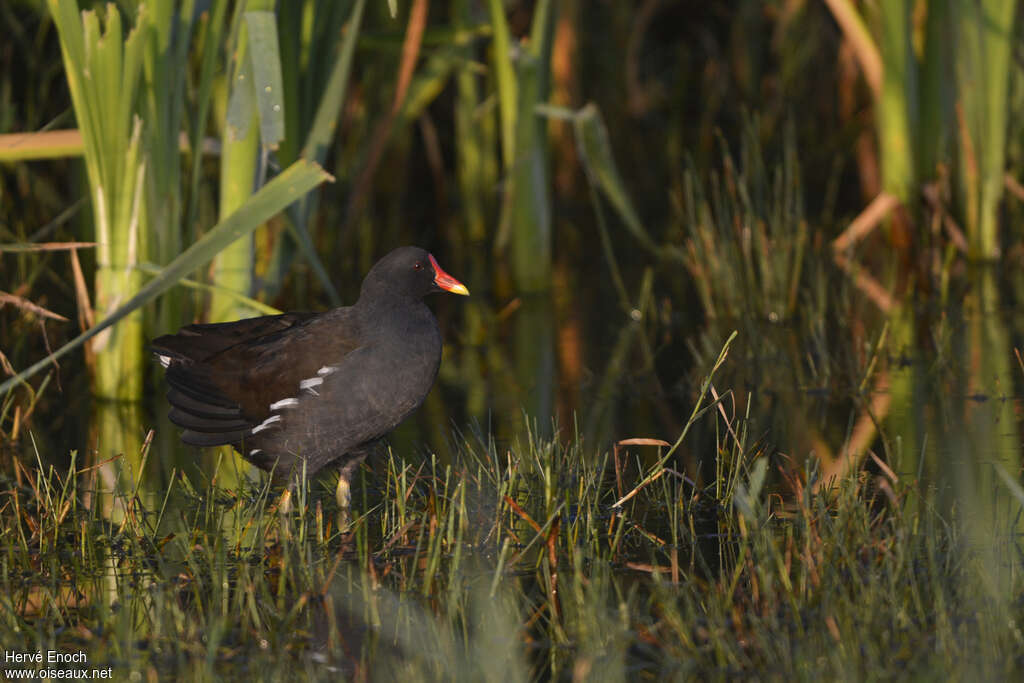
[(510, 563)]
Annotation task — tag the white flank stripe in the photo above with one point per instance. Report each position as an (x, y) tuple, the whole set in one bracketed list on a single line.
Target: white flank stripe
[(256, 451), (326, 370), (266, 424), (284, 403)]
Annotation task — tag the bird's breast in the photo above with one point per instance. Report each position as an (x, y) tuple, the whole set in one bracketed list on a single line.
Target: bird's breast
[(402, 360)]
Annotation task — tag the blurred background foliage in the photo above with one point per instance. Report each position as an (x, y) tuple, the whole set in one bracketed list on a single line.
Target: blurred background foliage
[(620, 184)]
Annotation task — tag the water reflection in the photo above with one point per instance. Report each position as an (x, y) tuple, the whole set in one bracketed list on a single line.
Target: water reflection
[(118, 448), (962, 422)]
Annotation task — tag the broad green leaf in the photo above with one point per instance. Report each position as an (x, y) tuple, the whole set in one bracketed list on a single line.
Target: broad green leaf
[(241, 91), (265, 58), (241, 102)]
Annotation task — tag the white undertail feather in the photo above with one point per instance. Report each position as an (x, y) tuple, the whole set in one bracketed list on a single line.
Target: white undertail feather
[(308, 384), (266, 424), (284, 403)]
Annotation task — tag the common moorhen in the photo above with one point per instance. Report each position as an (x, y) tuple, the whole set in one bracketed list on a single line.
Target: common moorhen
[(318, 388)]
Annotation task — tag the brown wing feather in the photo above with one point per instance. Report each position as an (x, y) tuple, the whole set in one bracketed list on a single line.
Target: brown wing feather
[(200, 342), (250, 374), (223, 377)]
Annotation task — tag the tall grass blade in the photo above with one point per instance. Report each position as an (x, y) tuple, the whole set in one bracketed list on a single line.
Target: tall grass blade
[(596, 154), (321, 132), (477, 165), (325, 122), (211, 30), (505, 78), (528, 202)]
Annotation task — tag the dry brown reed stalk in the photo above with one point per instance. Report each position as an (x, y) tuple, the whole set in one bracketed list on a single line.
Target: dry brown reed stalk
[(871, 287), (617, 448), (865, 222), (28, 306), (45, 246), (61, 144), (860, 227), (1014, 186), (863, 433), (856, 34), (86, 314)]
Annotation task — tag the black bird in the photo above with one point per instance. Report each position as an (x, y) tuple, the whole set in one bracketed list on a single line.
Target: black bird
[(318, 388)]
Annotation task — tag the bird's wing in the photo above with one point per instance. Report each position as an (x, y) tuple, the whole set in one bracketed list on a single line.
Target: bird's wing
[(201, 342), (225, 377)]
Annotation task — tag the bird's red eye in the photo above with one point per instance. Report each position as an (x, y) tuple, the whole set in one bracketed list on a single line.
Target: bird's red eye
[(417, 266)]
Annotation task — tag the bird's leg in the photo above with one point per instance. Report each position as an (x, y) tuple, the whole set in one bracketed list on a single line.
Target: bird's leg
[(352, 460), (344, 492), (287, 500), (294, 490)]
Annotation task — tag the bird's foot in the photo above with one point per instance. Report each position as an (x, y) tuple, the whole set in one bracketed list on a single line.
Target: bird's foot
[(284, 505)]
